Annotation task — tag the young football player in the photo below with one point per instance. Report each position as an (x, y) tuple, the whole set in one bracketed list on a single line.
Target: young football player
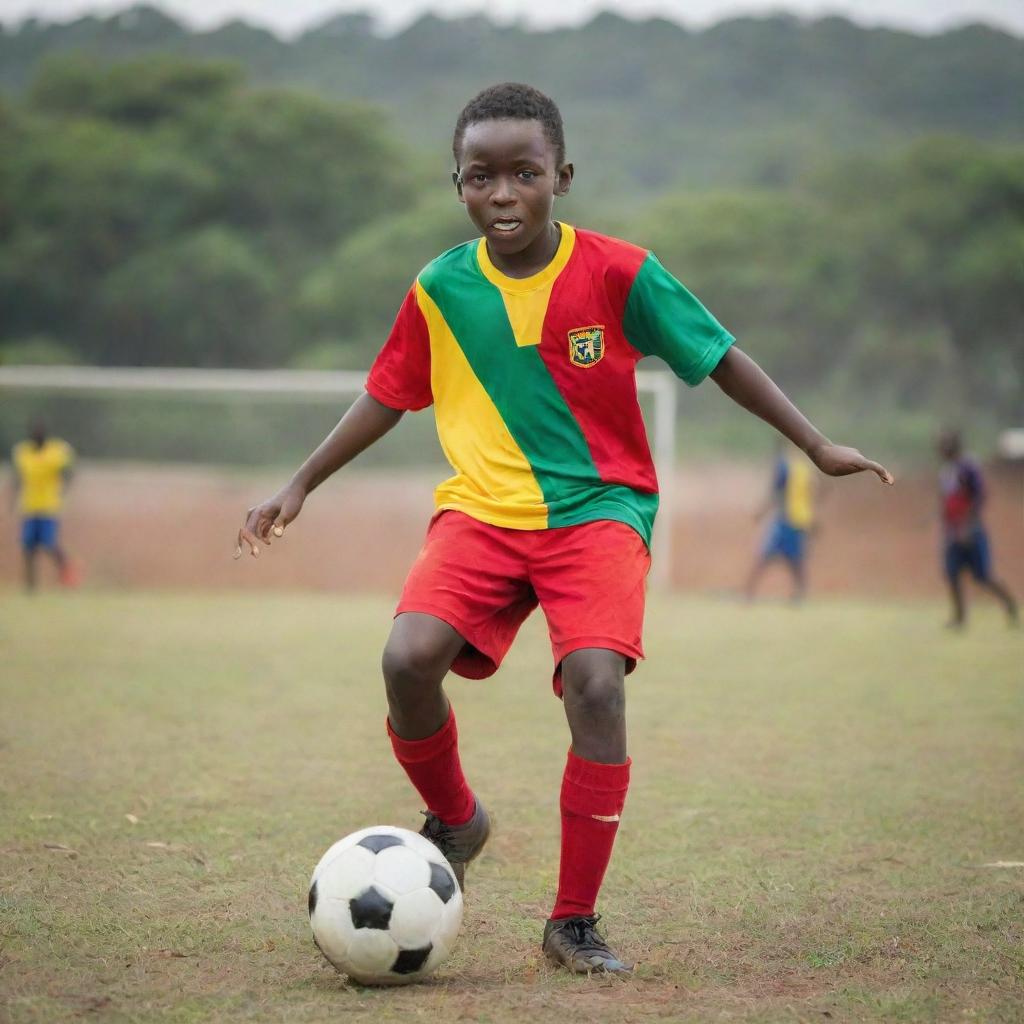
[(42, 469), (965, 539), (525, 342), (791, 502)]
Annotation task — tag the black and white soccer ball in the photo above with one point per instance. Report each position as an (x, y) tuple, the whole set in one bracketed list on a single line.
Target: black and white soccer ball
[(384, 906)]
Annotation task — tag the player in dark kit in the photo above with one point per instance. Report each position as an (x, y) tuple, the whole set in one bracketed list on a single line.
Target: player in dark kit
[(965, 539), (525, 342)]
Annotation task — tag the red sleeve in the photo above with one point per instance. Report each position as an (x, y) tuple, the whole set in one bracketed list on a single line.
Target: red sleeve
[(400, 375)]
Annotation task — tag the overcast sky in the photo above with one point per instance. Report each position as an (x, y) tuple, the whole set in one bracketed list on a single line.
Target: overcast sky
[(291, 16)]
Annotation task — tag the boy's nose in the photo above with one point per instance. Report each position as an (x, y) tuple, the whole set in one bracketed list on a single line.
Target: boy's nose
[(504, 192)]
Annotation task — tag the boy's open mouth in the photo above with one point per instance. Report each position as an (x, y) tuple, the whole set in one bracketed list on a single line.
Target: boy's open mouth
[(506, 225)]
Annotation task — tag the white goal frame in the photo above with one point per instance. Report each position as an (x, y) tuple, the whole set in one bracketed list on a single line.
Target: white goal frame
[(659, 384)]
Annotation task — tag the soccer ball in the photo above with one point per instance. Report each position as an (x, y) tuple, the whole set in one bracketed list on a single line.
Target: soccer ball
[(384, 906)]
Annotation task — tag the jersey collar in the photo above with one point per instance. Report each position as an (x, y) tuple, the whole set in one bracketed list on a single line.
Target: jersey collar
[(542, 278)]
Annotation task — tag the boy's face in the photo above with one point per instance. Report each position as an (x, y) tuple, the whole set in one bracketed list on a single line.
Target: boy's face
[(509, 179), (949, 446)]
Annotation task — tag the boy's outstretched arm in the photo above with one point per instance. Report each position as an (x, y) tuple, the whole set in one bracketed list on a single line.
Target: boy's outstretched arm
[(366, 421), (748, 385)]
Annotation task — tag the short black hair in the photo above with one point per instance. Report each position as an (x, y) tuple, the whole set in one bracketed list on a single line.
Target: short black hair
[(517, 102)]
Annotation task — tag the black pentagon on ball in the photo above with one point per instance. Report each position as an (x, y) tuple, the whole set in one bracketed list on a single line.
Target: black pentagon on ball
[(371, 909), (411, 960), (442, 882), (312, 899), (379, 842)]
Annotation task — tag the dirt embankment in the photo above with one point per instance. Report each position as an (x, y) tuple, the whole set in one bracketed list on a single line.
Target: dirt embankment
[(146, 526)]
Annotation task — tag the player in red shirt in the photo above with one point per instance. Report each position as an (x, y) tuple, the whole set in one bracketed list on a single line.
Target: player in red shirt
[(965, 539), (525, 342)]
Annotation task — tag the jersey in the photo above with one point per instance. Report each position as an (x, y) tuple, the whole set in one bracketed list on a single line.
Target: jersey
[(40, 473), (794, 493), (962, 490), (533, 380)]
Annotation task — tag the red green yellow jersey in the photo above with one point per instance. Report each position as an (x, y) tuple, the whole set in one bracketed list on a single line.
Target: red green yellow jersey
[(40, 471), (533, 380)]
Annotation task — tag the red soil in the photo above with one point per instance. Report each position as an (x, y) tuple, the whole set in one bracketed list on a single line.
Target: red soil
[(147, 526)]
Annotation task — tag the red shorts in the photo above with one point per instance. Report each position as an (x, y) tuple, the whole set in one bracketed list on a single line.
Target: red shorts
[(484, 580)]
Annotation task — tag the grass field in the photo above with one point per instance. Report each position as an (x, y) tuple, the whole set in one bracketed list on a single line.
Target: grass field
[(818, 797)]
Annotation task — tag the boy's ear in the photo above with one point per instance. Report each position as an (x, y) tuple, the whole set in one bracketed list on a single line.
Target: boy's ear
[(564, 180), (457, 182)]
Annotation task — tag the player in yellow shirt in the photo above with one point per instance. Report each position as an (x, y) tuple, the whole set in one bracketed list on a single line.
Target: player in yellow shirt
[(42, 468), (792, 498)]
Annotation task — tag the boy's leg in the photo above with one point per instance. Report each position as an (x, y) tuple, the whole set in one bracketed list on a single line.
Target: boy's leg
[(1002, 592), (591, 582), (417, 657), (981, 569), (798, 567), (29, 546), (424, 736), (954, 571), (593, 793), (463, 602), (29, 560), (799, 580), (756, 571)]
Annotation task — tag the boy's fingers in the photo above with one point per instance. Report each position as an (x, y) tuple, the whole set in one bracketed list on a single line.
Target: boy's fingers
[(246, 536), (882, 473)]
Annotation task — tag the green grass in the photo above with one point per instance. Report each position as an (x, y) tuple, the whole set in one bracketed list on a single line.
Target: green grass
[(815, 794)]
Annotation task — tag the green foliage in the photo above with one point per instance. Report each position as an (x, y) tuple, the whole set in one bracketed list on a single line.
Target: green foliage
[(362, 283), (140, 93), (203, 299), (38, 350), (900, 278), (162, 211)]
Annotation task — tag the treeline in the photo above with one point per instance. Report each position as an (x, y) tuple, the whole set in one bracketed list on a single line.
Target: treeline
[(650, 105), (167, 213)]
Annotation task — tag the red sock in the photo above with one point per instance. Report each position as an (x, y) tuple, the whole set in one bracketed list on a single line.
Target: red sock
[(593, 796), (433, 767)]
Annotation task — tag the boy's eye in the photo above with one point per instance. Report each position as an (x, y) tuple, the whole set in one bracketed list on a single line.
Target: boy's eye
[(478, 179), (527, 175)]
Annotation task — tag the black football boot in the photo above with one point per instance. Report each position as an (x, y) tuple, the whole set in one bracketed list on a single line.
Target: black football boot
[(575, 943), (459, 843)]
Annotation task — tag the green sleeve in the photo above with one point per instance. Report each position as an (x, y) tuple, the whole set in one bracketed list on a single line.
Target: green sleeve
[(663, 319)]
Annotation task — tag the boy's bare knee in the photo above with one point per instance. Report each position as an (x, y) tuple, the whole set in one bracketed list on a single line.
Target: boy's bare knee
[(598, 693), (412, 667)]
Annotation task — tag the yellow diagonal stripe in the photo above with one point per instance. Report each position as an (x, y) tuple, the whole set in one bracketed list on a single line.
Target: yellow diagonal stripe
[(526, 298), (493, 480)]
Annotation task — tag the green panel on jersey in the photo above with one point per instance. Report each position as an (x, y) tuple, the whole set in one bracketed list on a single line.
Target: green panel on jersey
[(662, 318)]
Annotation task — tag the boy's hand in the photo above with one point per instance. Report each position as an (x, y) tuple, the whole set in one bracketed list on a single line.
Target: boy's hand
[(270, 518), (837, 460)]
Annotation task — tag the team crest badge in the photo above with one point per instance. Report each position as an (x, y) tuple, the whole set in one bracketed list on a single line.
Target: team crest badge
[(586, 345)]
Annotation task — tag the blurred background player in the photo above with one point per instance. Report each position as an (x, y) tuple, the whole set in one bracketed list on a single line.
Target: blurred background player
[(965, 539), (42, 470), (791, 497)]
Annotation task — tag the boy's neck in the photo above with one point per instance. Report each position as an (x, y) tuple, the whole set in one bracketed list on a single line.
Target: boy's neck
[(534, 258)]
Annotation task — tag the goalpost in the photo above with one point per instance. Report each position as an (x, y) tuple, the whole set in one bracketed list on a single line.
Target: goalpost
[(658, 385)]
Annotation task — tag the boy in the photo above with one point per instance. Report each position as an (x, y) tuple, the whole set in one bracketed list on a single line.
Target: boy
[(525, 341), (792, 500), (965, 539), (42, 469)]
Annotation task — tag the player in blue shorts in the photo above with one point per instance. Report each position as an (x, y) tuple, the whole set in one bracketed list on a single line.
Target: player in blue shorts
[(792, 499), (965, 540), (42, 468)]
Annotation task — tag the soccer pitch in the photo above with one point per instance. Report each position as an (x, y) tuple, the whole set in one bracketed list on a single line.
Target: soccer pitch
[(819, 799)]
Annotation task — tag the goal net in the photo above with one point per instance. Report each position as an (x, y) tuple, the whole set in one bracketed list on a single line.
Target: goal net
[(258, 420)]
